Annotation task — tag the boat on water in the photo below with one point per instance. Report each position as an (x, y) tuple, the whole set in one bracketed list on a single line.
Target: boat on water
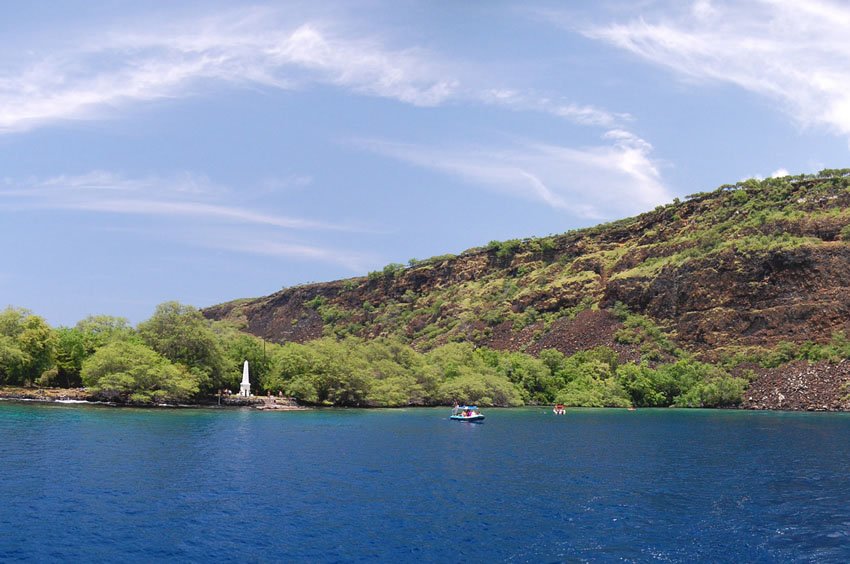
[(469, 413), (559, 409)]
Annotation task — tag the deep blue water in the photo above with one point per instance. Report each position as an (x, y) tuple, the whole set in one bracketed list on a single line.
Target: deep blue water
[(95, 484)]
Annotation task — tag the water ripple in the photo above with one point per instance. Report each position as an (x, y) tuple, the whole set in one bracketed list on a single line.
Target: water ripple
[(95, 484)]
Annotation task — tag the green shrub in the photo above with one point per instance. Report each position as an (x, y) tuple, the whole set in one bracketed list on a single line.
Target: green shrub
[(316, 302), (722, 391), (644, 385), (493, 317), (128, 371), (586, 391), (393, 270)]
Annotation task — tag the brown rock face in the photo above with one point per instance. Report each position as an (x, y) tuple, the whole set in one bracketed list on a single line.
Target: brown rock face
[(748, 298), (755, 299), (587, 330)]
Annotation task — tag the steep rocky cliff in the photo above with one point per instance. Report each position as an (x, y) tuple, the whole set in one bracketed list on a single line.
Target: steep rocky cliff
[(737, 270)]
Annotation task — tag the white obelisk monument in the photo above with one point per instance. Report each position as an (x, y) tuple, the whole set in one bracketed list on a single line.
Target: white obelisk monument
[(245, 386)]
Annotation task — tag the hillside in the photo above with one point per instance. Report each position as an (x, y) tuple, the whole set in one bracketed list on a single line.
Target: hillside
[(731, 276)]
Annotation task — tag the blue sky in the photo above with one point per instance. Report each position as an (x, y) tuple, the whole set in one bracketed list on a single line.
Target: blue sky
[(214, 150)]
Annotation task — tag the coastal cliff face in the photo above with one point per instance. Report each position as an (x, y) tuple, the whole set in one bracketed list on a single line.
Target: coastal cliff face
[(738, 271)]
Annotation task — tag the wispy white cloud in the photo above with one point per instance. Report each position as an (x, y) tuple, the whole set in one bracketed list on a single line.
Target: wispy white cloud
[(599, 182), (251, 47), (203, 212), (778, 173), (122, 67), (275, 247), (195, 209), (794, 53), (537, 102), (183, 195)]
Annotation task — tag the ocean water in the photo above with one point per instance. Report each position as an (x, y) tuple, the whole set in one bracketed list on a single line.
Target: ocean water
[(82, 483)]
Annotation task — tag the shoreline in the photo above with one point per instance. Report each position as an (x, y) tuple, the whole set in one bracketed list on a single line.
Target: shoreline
[(79, 396)]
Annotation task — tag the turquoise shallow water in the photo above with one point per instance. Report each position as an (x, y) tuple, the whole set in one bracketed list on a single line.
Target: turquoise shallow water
[(94, 484)]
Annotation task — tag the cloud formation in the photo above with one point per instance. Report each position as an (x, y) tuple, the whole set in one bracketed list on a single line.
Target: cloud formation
[(598, 182), (355, 261), (202, 206), (181, 195), (123, 68), (530, 101), (794, 53), (248, 48)]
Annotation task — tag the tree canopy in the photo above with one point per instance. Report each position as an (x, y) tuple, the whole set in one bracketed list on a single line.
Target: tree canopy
[(178, 355), (132, 371)]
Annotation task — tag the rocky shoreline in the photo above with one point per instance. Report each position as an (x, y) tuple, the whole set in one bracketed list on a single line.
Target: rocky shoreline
[(801, 386), (796, 386), (81, 395), (45, 394)]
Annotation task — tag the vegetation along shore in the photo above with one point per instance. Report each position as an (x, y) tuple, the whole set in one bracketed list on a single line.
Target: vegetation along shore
[(736, 297)]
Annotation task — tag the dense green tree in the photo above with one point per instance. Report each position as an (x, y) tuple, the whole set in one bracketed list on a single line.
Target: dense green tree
[(98, 330), (591, 383), (26, 346), (719, 391), (129, 371), (643, 384), (481, 389), (553, 360), (303, 388), (12, 321), (531, 375), (73, 345), (342, 375), (468, 377), (294, 359), (37, 341), (298, 366), (69, 356), (601, 359), (177, 353), (400, 375), (12, 361), (237, 347), (585, 391), (355, 372), (453, 359), (326, 371), (181, 334), (678, 378)]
